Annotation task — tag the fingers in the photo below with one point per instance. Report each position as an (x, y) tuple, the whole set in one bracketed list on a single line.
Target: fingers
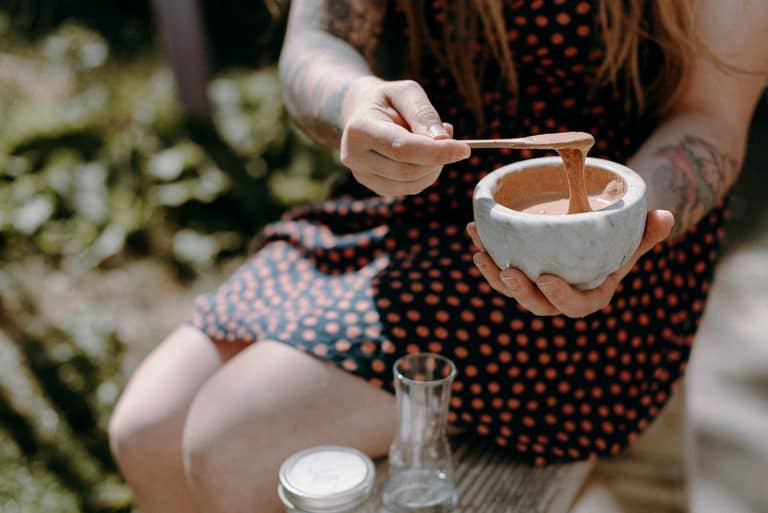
[(658, 226), (472, 231), (513, 283), (551, 295), (397, 143), (573, 302), (411, 101), (577, 303), (525, 292), (510, 282), (384, 186), (402, 172)]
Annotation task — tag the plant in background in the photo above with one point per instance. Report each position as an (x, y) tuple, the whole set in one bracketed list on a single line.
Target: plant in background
[(99, 171)]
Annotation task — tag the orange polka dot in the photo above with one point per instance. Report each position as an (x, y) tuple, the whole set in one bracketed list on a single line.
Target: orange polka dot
[(342, 346)]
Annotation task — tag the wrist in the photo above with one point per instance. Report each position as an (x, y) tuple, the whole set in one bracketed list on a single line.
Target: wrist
[(357, 89)]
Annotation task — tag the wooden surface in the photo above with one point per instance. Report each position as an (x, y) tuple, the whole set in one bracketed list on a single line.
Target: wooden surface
[(490, 482)]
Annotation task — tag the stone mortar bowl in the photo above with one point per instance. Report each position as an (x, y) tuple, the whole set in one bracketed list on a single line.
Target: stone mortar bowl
[(583, 249)]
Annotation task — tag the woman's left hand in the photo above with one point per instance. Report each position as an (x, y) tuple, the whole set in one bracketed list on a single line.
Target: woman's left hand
[(551, 295)]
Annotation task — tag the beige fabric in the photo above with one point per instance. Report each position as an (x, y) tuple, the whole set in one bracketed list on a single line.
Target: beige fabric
[(727, 400)]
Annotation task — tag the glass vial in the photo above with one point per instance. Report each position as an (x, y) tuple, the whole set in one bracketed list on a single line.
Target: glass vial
[(420, 462)]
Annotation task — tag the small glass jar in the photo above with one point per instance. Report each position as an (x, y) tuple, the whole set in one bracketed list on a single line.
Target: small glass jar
[(327, 479)]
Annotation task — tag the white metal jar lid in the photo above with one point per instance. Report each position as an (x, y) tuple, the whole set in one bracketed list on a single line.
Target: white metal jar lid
[(327, 479)]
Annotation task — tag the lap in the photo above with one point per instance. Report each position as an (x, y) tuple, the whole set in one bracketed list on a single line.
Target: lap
[(274, 398), (163, 386)]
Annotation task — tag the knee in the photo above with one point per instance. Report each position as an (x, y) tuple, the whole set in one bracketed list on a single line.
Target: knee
[(199, 458), (141, 439), (206, 454), (217, 450)]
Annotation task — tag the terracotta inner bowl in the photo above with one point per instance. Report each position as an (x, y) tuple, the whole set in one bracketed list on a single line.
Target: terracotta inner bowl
[(529, 187)]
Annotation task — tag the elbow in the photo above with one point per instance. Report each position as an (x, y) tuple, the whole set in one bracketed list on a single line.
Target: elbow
[(286, 72)]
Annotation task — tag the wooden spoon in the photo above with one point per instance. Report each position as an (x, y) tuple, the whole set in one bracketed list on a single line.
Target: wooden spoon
[(572, 147), (543, 141)]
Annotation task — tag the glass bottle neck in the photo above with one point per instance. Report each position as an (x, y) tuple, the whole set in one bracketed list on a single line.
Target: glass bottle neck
[(422, 410)]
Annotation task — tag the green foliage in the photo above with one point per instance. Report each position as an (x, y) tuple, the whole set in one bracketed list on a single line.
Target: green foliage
[(102, 163), (97, 169)]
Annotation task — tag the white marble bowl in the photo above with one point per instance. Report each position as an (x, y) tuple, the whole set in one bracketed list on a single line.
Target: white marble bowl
[(583, 249)]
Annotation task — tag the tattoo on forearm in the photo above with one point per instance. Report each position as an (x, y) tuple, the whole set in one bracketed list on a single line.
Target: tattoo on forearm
[(694, 179), (329, 44)]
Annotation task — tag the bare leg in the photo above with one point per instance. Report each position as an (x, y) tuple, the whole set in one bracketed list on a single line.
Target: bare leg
[(146, 426), (267, 403)]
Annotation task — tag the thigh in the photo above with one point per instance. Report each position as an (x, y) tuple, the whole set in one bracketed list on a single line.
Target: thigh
[(161, 389), (271, 401)]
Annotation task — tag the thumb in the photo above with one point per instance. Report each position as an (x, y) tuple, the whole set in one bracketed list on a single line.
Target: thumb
[(657, 228), (411, 101)]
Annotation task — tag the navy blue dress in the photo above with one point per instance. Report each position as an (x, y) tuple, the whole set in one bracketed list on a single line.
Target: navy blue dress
[(360, 280)]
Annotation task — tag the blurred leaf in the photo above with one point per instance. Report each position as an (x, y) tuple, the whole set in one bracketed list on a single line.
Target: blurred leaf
[(77, 46), (194, 247), (33, 214), (109, 243), (169, 164)]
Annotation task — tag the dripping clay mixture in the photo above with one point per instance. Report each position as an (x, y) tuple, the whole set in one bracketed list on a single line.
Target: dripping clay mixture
[(582, 248), (573, 148)]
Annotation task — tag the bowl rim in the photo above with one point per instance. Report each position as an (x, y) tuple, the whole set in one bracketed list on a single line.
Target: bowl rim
[(636, 190)]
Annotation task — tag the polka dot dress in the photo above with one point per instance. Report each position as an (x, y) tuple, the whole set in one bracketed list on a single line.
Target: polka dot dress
[(360, 280)]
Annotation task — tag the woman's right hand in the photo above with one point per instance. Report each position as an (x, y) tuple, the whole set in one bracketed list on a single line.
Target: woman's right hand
[(393, 139)]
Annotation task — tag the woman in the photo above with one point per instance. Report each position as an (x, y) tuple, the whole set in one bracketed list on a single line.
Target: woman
[(337, 291)]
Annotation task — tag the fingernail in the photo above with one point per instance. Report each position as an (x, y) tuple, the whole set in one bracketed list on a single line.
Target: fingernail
[(511, 282), (545, 285), (438, 131), (479, 262)]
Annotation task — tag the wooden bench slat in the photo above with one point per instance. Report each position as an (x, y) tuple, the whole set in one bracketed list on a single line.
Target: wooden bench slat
[(490, 482)]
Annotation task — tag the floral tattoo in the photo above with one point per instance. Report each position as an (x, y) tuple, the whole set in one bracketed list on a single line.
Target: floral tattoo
[(329, 44), (694, 179)]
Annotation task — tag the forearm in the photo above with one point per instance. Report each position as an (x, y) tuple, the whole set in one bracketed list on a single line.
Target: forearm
[(328, 46), (689, 164)]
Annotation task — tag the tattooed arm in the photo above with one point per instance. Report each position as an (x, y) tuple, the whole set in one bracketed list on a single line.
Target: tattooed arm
[(328, 44), (689, 162), (389, 134), (695, 156)]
